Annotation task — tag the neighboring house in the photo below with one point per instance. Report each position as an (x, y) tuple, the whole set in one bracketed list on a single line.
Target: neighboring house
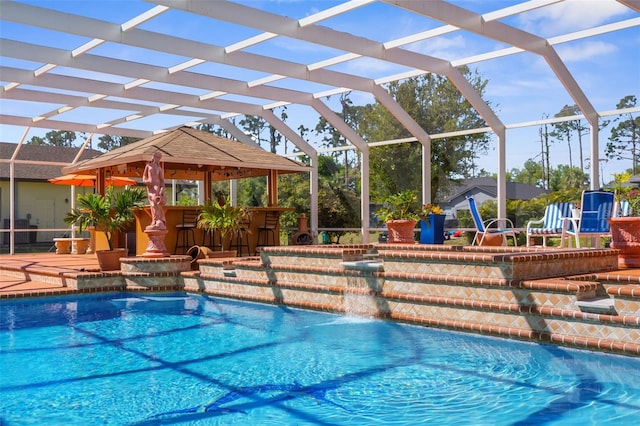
[(484, 189), (38, 203)]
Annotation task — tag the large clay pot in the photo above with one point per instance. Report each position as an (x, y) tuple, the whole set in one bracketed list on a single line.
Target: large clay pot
[(401, 231), (201, 252), (491, 240), (109, 260), (625, 236)]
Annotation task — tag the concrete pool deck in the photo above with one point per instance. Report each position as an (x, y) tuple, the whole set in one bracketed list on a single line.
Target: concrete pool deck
[(576, 298)]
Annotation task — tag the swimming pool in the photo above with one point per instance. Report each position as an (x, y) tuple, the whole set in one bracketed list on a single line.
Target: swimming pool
[(141, 359)]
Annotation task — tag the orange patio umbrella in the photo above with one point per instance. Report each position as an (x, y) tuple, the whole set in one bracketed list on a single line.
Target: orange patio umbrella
[(76, 179)]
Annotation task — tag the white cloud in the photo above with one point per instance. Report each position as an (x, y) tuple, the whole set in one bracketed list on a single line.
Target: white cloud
[(520, 87), (585, 51), (571, 15), (368, 67), (441, 47)]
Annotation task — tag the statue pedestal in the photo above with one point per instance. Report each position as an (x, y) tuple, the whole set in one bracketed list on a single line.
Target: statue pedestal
[(156, 247), (92, 240)]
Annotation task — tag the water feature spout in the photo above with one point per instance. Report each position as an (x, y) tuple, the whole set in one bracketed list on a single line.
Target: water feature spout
[(363, 284)]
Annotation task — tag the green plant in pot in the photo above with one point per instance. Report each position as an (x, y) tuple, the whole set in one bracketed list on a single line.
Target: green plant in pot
[(624, 191), (223, 218), (220, 196), (400, 212), (625, 230), (109, 213), (431, 224)]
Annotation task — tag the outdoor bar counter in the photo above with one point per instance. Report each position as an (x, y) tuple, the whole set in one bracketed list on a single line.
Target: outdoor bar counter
[(173, 216)]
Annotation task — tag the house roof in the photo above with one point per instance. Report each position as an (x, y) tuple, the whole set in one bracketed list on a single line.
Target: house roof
[(45, 162), (187, 153), (488, 185)]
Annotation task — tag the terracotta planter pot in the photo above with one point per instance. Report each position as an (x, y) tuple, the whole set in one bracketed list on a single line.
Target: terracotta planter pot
[(625, 236), (200, 252), (109, 260), (401, 231), (490, 240)]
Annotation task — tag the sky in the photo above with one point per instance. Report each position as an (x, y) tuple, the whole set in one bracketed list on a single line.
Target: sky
[(521, 87)]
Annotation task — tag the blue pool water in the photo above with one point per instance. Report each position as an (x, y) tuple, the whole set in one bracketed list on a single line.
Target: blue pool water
[(122, 359)]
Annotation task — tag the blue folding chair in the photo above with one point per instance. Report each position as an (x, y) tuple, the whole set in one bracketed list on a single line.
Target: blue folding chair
[(490, 226), (551, 224), (597, 207)]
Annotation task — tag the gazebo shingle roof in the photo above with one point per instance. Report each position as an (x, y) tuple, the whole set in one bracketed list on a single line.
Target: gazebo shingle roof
[(187, 153)]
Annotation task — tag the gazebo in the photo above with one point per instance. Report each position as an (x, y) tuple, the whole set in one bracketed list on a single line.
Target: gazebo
[(189, 154)]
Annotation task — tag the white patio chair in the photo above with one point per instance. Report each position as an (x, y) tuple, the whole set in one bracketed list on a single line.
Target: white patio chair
[(596, 208), (551, 224), (622, 209)]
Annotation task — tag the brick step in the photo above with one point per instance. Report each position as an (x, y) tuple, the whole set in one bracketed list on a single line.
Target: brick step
[(530, 295), (72, 279), (350, 274), (555, 292), (614, 281), (509, 293), (506, 319), (515, 263), (516, 316), (316, 255), (509, 263), (494, 290), (580, 341), (628, 291), (620, 286), (33, 287), (43, 276)]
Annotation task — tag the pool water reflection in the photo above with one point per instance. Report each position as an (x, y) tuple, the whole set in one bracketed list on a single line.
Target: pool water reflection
[(147, 359)]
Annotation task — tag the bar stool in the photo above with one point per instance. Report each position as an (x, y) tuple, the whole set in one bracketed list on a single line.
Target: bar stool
[(209, 234), (267, 232), (186, 230), (241, 239)]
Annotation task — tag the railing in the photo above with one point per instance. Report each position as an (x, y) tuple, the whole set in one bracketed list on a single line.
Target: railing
[(6, 235), (293, 230)]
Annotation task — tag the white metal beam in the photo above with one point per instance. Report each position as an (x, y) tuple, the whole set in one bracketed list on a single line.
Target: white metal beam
[(244, 15), (473, 22), (414, 128), (211, 103), (312, 153), (362, 146)]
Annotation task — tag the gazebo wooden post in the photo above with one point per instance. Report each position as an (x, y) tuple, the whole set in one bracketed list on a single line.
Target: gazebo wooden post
[(207, 186), (100, 182), (272, 188)]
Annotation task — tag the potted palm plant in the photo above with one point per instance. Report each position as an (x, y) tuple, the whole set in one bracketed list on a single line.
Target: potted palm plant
[(400, 212), (222, 217), (109, 214)]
